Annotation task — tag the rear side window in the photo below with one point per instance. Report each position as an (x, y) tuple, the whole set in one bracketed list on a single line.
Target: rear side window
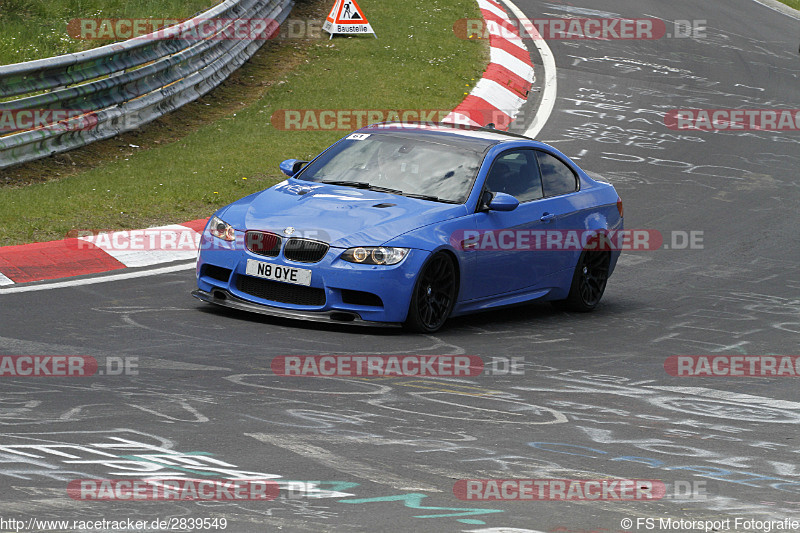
[(557, 178)]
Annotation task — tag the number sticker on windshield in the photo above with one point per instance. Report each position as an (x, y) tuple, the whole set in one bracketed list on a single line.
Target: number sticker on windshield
[(358, 136)]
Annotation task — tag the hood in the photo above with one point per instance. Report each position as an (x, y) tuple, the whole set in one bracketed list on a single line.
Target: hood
[(341, 216)]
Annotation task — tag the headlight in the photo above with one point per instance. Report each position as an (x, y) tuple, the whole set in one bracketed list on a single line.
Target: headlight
[(375, 255), (221, 229)]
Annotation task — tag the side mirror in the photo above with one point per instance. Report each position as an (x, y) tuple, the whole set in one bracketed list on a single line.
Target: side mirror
[(503, 202), (290, 167)]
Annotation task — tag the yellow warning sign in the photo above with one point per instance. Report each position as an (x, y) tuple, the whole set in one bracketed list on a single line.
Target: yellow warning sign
[(347, 18)]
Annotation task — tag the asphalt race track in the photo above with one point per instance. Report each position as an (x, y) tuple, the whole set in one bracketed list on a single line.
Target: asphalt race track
[(593, 400)]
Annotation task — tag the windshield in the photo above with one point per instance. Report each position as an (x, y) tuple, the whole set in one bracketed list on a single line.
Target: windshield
[(431, 169)]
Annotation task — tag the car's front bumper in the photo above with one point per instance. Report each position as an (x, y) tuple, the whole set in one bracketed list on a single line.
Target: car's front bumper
[(224, 298), (328, 297)]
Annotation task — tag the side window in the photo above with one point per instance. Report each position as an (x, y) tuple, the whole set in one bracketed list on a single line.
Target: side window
[(557, 178), (516, 173)]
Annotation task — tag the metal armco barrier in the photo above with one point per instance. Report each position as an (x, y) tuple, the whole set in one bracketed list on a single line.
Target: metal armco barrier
[(122, 86)]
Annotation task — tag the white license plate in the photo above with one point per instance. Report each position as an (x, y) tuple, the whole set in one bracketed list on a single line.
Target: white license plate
[(298, 276)]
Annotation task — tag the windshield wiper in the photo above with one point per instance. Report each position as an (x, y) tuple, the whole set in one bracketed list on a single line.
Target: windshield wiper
[(363, 185), (385, 189), (376, 188), (429, 197), (356, 184), (410, 195)]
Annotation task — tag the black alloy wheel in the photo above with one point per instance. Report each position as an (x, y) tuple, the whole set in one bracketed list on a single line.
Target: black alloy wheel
[(588, 283), (434, 295)]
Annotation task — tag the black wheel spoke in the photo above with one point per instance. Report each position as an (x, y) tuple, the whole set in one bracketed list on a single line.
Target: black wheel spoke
[(593, 270)]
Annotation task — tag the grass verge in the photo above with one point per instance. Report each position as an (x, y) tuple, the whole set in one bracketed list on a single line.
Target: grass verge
[(223, 146), (33, 29), (792, 3)]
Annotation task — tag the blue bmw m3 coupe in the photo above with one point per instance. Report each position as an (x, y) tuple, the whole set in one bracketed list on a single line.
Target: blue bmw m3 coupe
[(404, 224)]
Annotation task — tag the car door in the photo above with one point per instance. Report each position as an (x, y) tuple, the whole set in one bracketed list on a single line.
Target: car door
[(504, 267), (559, 185)]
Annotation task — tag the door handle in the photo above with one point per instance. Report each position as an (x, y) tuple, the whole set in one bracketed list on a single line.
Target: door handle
[(548, 217)]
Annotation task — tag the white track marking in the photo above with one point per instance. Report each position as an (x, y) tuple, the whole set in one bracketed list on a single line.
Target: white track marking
[(103, 279), (515, 65), (501, 97), (780, 8), (510, 38), (731, 397), (550, 73), (4, 280), (488, 6)]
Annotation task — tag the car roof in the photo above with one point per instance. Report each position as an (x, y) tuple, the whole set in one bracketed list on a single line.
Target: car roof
[(485, 136)]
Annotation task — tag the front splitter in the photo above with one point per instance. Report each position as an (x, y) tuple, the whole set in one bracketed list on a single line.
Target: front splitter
[(329, 317)]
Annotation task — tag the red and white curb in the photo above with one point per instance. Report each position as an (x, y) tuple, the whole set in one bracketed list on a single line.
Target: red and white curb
[(103, 252), (496, 98), (503, 89)]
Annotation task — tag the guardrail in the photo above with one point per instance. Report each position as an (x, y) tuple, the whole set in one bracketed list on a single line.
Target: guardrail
[(122, 86)]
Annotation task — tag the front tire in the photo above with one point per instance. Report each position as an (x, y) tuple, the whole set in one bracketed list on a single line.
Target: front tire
[(588, 282), (434, 295)]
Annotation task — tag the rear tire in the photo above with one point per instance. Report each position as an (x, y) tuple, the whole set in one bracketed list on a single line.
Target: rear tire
[(588, 282), (434, 295)]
